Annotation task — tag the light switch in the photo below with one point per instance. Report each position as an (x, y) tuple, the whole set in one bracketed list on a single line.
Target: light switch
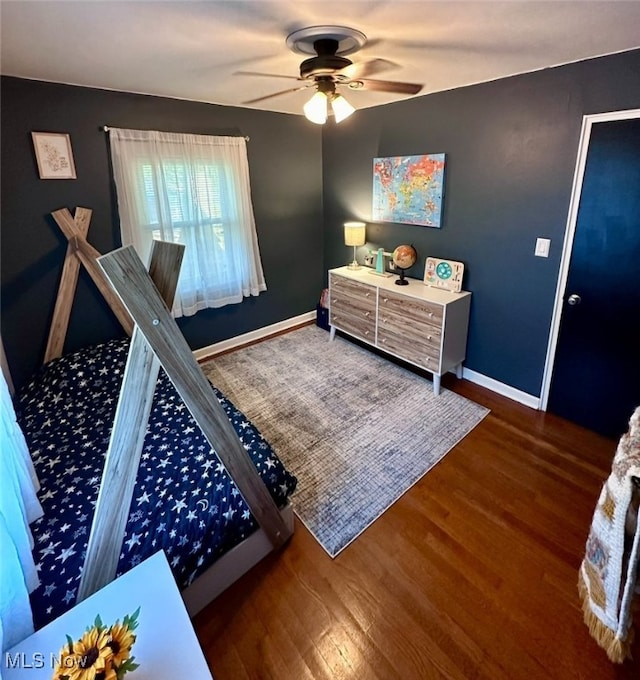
[(542, 247)]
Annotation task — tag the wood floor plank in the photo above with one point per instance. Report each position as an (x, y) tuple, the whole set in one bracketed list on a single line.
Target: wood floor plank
[(471, 575)]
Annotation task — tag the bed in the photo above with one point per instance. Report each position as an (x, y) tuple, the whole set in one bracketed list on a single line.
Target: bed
[(136, 451), (184, 501)]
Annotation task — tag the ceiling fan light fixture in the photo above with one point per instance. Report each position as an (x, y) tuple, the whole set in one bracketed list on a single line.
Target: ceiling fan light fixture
[(329, 68), (315, 110), (341, 107)]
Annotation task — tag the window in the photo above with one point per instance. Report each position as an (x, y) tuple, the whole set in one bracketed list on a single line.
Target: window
[(194, 190)]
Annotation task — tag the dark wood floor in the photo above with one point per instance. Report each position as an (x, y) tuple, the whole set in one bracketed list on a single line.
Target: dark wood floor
[(471, 574)]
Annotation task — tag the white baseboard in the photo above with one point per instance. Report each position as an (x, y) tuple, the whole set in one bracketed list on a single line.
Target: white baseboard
[(501, 388), (253, 336), (261, 333)]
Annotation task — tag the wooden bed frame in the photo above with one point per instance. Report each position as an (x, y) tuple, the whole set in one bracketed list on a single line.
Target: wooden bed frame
[(141, 302), (231, 566)]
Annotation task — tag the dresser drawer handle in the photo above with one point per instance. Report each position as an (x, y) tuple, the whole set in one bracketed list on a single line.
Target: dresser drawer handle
[(427, 360), (368, 293), (430, 315), (429, 337), (367, 313), (385, 299), (366, 332)]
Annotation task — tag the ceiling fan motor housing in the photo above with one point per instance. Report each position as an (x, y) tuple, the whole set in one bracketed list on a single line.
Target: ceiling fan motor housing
[(326, 62)]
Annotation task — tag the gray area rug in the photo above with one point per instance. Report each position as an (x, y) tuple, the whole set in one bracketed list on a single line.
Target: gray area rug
[(355, 429)]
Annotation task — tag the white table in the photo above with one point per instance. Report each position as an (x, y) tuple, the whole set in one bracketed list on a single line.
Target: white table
[(166, 645)]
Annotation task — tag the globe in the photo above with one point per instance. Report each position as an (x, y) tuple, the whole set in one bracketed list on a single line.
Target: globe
[(403, 258)]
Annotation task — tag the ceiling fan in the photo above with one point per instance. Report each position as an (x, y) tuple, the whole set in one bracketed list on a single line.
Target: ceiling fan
[(329, 69)]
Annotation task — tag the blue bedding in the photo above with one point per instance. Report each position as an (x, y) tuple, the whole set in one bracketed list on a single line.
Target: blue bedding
[(184, 501)]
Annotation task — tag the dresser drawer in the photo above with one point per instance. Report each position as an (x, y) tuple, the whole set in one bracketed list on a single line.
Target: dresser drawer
[(408, 308), (423, 351), (341, 288), (352, 307), (415, 329), (361, 324)]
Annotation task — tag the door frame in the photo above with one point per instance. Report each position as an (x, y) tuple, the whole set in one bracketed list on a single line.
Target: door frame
[(588, 122)]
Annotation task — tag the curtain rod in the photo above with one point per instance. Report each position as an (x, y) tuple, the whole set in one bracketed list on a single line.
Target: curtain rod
[(106, 128)]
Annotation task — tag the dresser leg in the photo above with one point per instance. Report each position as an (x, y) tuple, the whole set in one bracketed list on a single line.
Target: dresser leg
[(332, 333), (436, 384), (459, 371)]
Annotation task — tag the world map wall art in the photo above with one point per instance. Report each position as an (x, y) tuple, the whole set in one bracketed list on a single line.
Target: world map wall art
[(409, 189)]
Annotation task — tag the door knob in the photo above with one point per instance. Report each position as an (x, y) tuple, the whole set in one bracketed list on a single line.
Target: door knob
[(574, 299)]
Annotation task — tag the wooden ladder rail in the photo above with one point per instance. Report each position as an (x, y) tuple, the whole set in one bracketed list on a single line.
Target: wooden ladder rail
[(160, 336)]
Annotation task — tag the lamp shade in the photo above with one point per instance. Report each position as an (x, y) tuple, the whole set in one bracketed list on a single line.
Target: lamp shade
[(354, 233), (315, 109), (341, 107)]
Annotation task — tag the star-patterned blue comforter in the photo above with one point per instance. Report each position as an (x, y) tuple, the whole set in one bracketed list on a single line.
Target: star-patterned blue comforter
[(184, 501)]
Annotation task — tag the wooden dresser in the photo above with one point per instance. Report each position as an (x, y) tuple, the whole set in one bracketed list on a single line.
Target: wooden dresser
[(425, 326)]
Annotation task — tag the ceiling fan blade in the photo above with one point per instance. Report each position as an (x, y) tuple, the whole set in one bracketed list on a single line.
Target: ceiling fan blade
[(264, 75), (387, 86), (362, 69), (277, 94)]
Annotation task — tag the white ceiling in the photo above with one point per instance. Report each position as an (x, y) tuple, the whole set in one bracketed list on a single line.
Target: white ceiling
[(191, 50)]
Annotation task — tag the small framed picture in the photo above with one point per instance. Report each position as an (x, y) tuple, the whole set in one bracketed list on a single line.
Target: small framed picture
[(54, 156)]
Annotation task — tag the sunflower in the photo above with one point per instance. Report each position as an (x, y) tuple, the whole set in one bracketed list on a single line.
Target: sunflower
[(87, 659), (66, 660), (122, 639)]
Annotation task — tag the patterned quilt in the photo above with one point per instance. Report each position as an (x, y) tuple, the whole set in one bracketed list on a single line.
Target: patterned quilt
[(609, 570), (184, 501)]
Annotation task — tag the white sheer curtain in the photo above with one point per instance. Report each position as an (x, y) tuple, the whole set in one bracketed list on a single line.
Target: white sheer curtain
[(19, 506), (195, 190)]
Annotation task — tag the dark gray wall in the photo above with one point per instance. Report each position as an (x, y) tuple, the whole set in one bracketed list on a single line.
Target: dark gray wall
[(285, 167), (511, 148)]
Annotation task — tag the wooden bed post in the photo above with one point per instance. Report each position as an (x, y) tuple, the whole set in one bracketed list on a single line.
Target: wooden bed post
[(78, 251), (160, 342), (127, 437)]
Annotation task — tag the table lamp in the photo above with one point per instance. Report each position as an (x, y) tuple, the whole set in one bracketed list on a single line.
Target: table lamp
[(354, 235)]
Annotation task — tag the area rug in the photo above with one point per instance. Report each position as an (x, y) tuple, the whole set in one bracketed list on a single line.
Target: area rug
[(356, 429)]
